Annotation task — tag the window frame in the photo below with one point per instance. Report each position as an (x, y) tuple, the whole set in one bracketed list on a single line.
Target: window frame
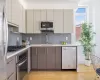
[(76, 14)]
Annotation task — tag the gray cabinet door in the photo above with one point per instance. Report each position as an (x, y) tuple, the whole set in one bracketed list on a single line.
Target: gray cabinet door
[(51, 58), (41, 57), (12, 77), (58, 21), (34, 58), (68, 21), (29, 21), (37, 21), (8, 10), (50, 15), (58, 57), (15, 10), (11, 68), (43, 15)]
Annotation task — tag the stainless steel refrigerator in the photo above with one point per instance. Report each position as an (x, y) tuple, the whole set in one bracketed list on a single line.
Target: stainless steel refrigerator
[(3, 40)]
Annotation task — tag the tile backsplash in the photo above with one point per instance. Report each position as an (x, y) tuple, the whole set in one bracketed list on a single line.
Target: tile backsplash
[(12, 37), (43, 38), (50, 38)]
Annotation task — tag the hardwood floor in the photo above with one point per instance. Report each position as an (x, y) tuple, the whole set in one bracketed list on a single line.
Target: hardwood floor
[(85, 73), (60, 75), (83, 68)]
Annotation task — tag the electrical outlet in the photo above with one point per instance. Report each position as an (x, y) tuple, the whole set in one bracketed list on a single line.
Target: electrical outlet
[(30, 38), (18, 38), (66, 38)]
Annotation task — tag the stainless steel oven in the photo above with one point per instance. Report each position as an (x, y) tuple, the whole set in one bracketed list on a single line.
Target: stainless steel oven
[(22, 66)]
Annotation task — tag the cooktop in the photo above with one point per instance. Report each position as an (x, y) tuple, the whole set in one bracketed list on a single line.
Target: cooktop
[(15, 48)]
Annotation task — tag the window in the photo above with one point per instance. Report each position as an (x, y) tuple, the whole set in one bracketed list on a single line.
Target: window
[(80, 17)]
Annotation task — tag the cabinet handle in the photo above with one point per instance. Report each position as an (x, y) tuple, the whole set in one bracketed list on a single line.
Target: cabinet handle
[(47, 50), (36, 51)]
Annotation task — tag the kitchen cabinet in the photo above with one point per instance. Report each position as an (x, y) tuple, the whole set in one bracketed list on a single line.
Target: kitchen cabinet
[(69, 58), (58, 21), (20, 18), (50, 15), (22, 27), (58, 58), (15, 12), (13, 7), (23, 21), (43, 15), (63, 20), (8, 10), (29, 20), (51, 55), (46, 58), (12, 77), (68, 21), (41, 51), (34, 58), (11, 69), (37, 21)]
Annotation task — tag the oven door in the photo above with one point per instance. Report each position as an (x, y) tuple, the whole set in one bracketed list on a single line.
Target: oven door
[(22, 69)]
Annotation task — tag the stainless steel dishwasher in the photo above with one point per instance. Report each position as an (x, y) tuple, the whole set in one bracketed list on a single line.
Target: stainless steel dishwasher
[(69, 57)]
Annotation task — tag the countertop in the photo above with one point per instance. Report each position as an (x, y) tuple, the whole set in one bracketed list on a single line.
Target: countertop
[(11, 54)]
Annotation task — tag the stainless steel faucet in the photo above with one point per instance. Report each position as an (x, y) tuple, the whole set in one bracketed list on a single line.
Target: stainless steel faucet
[(47, 41)]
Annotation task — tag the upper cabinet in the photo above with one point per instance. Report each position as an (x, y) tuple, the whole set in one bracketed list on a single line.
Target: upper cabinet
[(43, 15), (30, 21), (20, 18), (23, 21), (68, 21), (8, 10), (58, 21), (37, 21), (50, 15), (62, 20), (15, 12), (22, 27)]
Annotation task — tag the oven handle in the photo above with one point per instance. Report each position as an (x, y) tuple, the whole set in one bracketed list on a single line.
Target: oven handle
[(19, 64)]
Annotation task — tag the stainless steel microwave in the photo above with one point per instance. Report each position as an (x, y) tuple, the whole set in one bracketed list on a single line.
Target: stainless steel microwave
[(46, 25)]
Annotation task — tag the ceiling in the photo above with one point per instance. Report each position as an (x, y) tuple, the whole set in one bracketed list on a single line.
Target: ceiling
[(84, 2), (50, 1), (49, 4)]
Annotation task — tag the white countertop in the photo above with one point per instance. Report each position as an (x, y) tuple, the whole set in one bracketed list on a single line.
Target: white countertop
[(11, 54), (43, 45)]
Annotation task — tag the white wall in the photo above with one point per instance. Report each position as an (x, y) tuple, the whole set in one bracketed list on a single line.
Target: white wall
[(81, 57), (97, 26), (94, 18)]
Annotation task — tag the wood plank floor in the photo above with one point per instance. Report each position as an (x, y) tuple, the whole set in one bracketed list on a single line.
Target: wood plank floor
[(59, 75), (83, 68)]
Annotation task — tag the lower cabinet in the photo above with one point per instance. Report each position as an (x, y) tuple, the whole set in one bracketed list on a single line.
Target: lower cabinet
[(46, 58), (51, 55), (11, 69), (34, 58), (58, 58), (41, 52), (12, 77)]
